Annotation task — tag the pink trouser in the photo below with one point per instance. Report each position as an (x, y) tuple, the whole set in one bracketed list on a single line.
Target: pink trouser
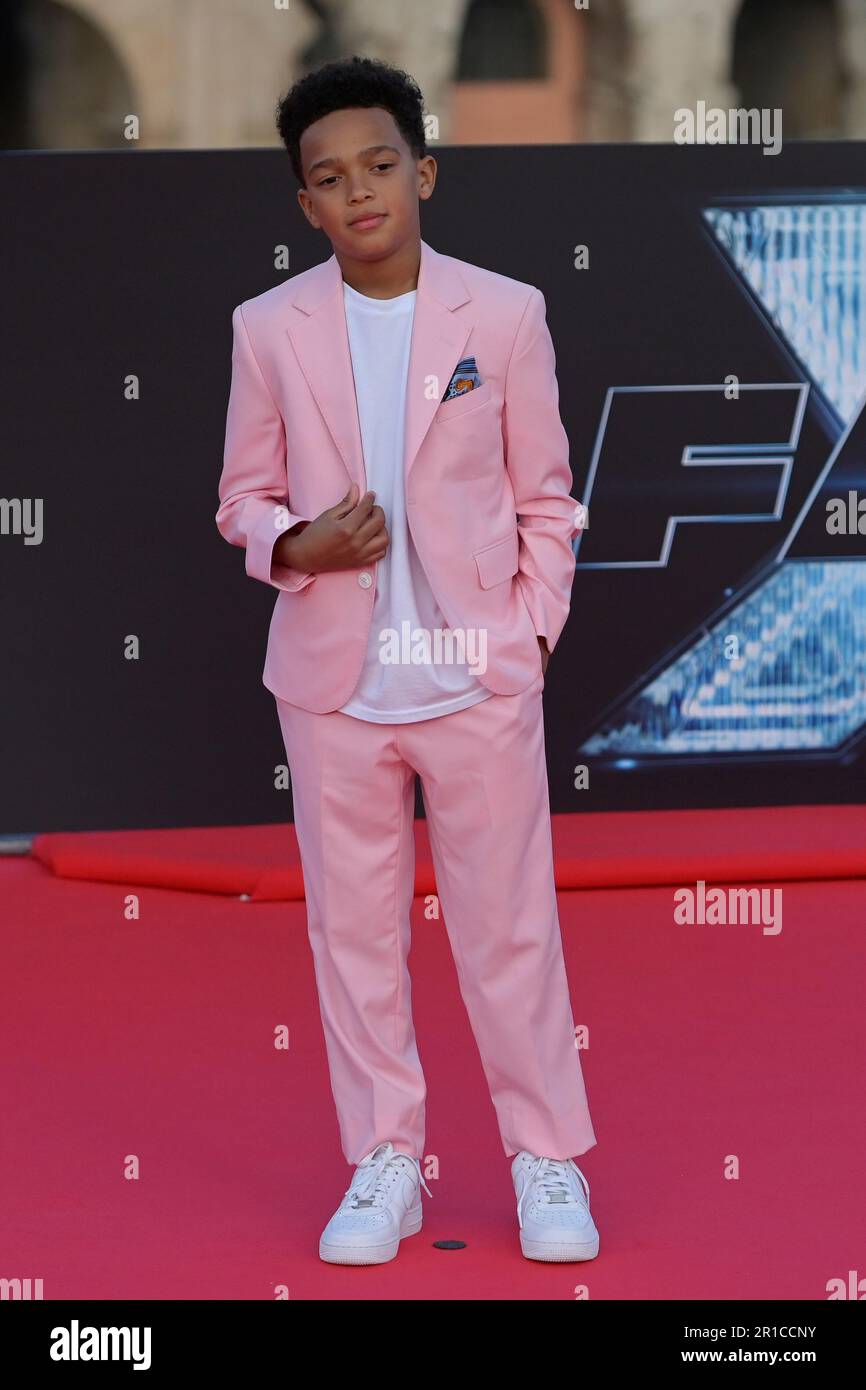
[(484, 782)]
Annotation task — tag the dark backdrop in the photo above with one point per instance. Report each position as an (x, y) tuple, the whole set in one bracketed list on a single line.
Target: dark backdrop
[(117, 263)]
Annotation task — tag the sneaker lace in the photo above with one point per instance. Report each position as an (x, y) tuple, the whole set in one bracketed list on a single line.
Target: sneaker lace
[(369, 1186), (552, 1179)]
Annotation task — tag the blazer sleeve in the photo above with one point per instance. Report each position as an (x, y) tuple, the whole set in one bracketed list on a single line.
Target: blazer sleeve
[(254, 508), (536, 459)]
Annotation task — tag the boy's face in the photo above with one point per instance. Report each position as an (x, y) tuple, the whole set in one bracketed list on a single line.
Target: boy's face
[(357, 165)]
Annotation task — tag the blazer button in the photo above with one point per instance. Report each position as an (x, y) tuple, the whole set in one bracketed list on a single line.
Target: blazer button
[(365, 579)]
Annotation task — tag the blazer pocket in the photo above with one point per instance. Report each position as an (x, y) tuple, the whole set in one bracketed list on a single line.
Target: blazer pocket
[(465, 404), (498, 561)]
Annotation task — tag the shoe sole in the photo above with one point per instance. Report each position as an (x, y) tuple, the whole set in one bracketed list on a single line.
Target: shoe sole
[(561, 1254), (371, 1254)]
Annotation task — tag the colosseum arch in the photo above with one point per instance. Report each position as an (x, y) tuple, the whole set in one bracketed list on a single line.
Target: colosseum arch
[(80, 83), (806, 79)]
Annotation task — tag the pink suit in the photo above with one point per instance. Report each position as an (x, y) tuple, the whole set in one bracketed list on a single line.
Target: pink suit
[(487, 485)]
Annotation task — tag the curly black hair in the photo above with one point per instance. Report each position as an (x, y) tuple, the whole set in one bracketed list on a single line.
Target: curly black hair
[(354, 81)]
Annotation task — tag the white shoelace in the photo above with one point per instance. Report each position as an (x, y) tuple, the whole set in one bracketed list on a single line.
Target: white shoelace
[(368, 1187), (554, 1179)]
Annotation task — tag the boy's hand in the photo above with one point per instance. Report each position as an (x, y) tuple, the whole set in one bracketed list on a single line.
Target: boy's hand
[(545, 654), (345, 536)]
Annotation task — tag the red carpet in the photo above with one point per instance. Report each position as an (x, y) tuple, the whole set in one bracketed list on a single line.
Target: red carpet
[(622, 848), (154, 1038)]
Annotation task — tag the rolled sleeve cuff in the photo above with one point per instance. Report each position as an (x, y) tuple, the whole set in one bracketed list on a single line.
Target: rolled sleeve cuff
[(274, 522), (548, 616)]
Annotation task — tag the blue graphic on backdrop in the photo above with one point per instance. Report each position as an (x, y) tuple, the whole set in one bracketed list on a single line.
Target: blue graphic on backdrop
[(784, 669)]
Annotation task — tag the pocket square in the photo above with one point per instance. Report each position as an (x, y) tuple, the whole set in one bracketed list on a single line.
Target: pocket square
[(466, 378)]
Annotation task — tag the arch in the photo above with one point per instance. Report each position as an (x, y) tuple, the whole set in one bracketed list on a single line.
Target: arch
[(502, 41), (528, 92), (788, 54), (78, 89)]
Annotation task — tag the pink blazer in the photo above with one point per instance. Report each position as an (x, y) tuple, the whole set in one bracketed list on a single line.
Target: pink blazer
[(488, 483)]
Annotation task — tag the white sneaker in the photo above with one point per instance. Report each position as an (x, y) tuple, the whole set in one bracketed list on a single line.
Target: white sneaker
[(553, 1209), (380, 1207)]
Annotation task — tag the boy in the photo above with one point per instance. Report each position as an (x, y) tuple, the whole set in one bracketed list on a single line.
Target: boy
[(395, 463)]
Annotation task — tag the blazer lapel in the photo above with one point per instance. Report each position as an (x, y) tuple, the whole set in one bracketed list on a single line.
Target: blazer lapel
[(438, 339), (321, 341)]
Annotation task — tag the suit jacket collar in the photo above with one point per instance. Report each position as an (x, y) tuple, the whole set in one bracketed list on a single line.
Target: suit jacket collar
[(321, 341)]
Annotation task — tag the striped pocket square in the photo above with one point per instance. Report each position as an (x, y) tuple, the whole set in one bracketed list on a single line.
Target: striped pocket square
[(466, 378)]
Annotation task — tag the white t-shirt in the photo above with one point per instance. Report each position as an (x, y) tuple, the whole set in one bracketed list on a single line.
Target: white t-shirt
[(398, 691)]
